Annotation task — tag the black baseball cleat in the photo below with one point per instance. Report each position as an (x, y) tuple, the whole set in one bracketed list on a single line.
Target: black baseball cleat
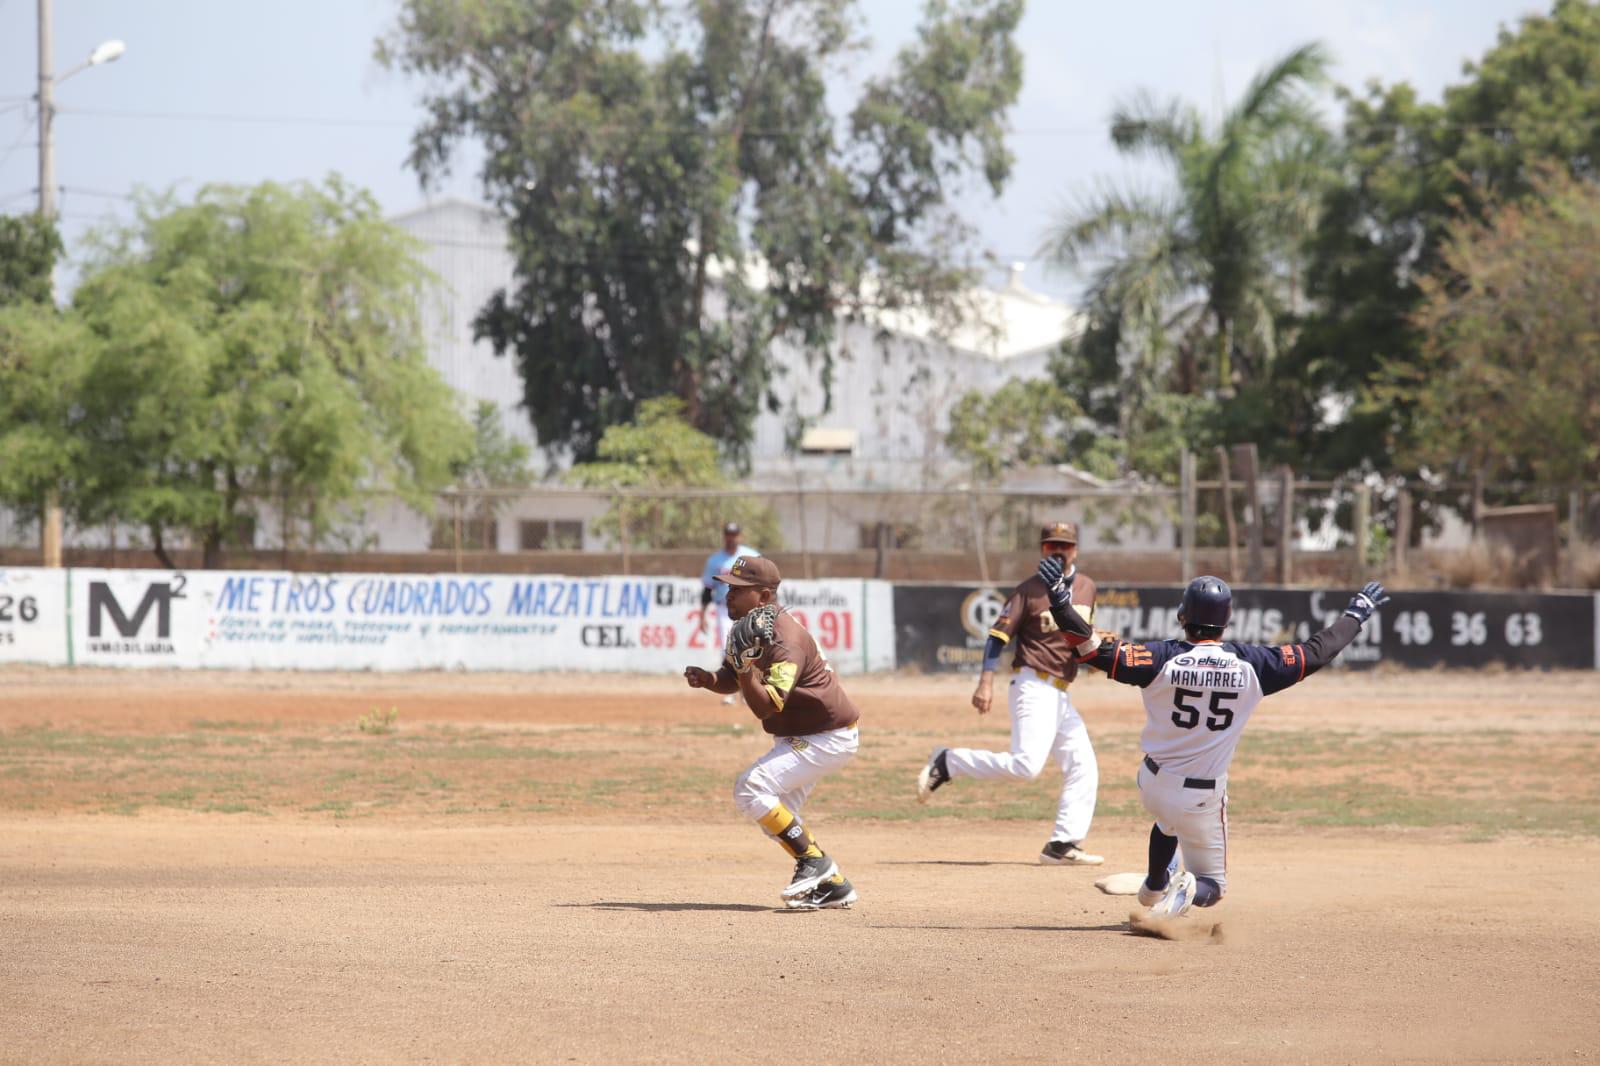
[(836, 893), (932, 775), (1067, 853), (809, 872)]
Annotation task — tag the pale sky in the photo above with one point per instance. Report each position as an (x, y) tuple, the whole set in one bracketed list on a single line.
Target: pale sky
[(227, 91)]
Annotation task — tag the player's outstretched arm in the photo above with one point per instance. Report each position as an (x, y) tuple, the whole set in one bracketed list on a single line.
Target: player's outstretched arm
[(1325, 646)]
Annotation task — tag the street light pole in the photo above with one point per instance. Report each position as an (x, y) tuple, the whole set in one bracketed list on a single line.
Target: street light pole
[(50, 520), (106, 52)]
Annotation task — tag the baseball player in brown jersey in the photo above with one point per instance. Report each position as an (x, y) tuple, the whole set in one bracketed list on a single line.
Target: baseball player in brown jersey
[(787, 683), (1043, 721)]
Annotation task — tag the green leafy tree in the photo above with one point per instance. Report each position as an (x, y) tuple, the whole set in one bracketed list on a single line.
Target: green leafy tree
[(660, 450), (1508, 384), (1413, 169), (680, 196), (1189, 288), (45, 358), (259, 344), (1023, 424), (30, 245), (497, 461)]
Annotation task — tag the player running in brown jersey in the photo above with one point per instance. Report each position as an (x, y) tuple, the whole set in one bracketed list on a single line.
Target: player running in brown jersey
[(792, 689), (1044, 724)]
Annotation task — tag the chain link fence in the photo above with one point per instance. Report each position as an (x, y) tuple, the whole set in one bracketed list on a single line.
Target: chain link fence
[(1272, 528)]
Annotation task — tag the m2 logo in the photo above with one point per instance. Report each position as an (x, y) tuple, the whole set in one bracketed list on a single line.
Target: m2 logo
[(158, 597)]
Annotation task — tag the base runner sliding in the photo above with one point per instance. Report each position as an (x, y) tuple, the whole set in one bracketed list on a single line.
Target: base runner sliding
[(1198, 694)]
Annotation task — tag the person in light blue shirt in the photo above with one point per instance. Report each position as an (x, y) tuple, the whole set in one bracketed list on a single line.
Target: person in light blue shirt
[(715, 593)]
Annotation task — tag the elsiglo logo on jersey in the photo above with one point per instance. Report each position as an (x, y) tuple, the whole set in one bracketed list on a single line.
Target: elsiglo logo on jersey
[(979, 610)]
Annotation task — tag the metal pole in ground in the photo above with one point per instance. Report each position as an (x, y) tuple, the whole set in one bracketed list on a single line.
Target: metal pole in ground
[(977, 535), (1186, 515), (1286, 526), (805, 544)]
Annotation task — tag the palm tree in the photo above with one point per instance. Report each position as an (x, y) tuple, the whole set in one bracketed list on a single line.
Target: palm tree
[(1214, 262)]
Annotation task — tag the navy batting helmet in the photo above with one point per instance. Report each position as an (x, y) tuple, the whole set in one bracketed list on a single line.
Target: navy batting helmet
[(1208, 601)]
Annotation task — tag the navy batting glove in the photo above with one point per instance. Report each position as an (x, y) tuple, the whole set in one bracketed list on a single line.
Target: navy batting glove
[(1057, 580), (1369, 599)]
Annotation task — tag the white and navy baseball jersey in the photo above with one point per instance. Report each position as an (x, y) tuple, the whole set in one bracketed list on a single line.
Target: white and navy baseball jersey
[(1198, 697)]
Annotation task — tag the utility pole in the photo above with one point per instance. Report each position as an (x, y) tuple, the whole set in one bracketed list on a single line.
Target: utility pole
[(104, 52), (50, 518)]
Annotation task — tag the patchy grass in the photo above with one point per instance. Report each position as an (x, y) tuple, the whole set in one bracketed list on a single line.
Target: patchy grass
[(1475, 784)]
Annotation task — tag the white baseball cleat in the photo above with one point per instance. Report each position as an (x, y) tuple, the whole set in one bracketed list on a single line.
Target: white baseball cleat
[(1148, 896), (1177, 898)]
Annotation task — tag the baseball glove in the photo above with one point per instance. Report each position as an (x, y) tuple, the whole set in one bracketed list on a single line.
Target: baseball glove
[(750, 637)]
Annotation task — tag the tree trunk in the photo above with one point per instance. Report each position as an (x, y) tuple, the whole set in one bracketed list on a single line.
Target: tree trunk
[(211, 557), (161, 549), (691, 375), (1224, 356)]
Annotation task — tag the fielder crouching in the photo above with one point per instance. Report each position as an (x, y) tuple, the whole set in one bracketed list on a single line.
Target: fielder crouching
[(787, 683), (1198, 694)]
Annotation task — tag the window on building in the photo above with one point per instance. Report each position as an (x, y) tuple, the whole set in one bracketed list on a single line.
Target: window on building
[(821, 441), (550, 534), (477, 534)]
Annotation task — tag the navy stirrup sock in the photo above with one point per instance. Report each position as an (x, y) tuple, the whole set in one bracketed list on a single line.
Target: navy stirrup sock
[(1162, 849), (1206, 891)]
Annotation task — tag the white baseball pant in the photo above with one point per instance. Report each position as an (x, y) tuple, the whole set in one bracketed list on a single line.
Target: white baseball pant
[(787, 773), (1198, 817), (1044, 725)]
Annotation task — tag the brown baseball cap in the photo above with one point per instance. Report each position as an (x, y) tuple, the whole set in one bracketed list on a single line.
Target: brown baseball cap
[(1066, 532), (752, 570)]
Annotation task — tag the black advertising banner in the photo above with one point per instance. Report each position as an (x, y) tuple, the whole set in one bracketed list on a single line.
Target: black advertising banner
[(942, 627)]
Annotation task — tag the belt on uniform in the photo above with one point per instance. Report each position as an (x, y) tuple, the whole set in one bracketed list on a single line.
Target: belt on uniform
[(1050, 679), (1188, 782)]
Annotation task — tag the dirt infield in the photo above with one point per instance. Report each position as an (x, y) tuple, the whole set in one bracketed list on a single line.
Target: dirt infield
[(547, 868)]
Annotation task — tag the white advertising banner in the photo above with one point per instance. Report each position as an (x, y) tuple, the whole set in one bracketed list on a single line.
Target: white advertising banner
[(272, 620), (33, 616)]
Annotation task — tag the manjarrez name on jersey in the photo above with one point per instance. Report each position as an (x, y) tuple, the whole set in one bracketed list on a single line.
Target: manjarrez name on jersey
[(1207, 671)]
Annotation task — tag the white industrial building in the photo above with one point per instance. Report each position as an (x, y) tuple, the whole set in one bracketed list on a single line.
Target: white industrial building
[(894, 382)]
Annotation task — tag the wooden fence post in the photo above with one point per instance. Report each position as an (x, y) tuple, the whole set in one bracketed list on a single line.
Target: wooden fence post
[(1227, 513), (1402, 530), (1363, 526), (1244, 457), (622, 529), (455, 508)]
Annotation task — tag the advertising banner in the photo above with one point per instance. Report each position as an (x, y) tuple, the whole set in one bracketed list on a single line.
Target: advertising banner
[(33, 616), (264, 620), (941, 628)]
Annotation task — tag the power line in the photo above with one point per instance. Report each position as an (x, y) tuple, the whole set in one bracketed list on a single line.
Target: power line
[(26, 129), (771, 131), (77, 190), (199, 116)]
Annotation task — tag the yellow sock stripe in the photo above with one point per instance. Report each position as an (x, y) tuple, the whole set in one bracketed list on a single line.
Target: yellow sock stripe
[(776, 820)]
